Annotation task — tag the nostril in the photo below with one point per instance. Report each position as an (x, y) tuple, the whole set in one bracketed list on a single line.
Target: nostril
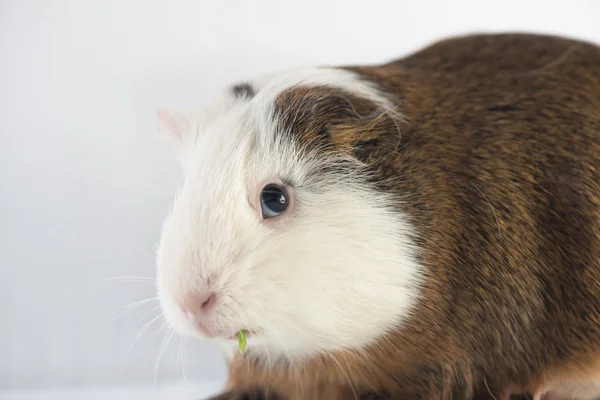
[(208, 302), (196, 305)]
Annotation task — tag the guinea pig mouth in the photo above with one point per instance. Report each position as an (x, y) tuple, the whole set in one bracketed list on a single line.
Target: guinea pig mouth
[(247, 334)]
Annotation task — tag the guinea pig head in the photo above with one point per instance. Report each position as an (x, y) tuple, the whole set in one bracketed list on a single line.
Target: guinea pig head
[(278, 227)]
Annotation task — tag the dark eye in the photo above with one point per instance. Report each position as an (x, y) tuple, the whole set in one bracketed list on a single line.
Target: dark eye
[(273, 201)]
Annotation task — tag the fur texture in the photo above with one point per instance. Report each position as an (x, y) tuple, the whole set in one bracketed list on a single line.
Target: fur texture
[(444, 241), (310, 282)]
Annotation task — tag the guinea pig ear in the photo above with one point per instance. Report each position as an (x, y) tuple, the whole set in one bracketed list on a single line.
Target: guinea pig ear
[(175, 125)]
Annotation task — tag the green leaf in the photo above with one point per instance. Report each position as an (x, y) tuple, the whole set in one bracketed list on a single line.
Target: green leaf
[(241, 335)]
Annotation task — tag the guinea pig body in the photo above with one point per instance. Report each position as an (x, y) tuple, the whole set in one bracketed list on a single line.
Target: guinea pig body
[(428, 228)]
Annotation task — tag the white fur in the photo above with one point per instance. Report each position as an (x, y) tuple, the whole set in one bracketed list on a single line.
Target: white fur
[(337, 271)]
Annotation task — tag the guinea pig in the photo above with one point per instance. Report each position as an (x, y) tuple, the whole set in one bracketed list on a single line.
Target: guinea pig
[(425, 228)]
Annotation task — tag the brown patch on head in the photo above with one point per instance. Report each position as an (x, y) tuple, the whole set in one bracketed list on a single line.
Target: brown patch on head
[(328, 119)]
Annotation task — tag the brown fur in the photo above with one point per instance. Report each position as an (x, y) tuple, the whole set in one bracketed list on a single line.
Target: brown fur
[(496, 162)]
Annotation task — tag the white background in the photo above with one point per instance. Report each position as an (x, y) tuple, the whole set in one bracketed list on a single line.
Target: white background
[(85, 180)]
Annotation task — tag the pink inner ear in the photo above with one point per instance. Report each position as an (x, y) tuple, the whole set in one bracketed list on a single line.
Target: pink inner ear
[(172, 123)]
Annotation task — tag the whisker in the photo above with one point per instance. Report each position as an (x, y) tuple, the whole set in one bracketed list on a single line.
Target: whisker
[(349, 371), (165, 343), (129, 307), (139, 334), (488, 388), (159, 330), (152, 257), (345, 375), (129, 278), (148, 313), (184, 354), (180, 357)]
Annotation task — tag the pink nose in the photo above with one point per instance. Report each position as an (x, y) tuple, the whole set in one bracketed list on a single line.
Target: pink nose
[(198, 305)]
